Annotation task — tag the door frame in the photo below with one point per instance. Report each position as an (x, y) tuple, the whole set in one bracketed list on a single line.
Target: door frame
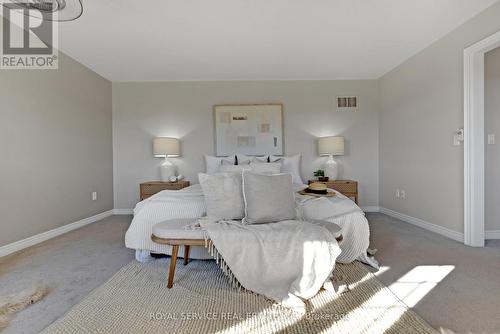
[(474, 139)]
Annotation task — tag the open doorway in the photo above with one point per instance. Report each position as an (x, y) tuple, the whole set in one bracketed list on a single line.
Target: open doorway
[(474, 139)]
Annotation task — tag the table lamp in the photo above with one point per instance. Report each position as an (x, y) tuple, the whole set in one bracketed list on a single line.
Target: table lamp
[(166, 147), (333, 145)]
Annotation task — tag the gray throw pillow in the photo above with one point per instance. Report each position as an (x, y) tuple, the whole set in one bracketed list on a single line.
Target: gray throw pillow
[(223, 195), (268, 198)]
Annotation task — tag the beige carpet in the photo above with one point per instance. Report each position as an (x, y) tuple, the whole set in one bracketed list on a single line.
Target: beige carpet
[(136, 300), (75, 264)]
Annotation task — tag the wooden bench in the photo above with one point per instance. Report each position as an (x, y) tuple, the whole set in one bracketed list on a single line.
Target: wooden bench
[(173, 233), (175, 243)]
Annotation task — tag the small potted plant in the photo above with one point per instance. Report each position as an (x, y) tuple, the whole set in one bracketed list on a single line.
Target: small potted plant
[(320, 174)]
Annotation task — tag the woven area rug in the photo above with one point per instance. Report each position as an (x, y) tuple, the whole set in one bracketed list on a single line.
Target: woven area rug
[(136, 300)]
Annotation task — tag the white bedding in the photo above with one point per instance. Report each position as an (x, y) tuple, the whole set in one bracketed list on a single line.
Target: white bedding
[(189, 203), (168, 204)]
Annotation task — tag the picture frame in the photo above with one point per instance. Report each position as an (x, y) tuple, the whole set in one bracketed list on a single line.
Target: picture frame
[(250, 129)]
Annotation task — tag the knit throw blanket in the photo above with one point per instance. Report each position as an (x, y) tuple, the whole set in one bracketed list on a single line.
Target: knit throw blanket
[(287, 261)]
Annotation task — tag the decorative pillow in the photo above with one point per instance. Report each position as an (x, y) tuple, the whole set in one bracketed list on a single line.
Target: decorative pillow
[(213, 163), (233, 168), (246, 159), (266, 167), (264, 159), (223, 195), (268, 198), (243, 159), (290, 164)]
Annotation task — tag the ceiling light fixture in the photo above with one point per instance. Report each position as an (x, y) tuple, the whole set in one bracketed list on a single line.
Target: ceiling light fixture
[(61, 10)]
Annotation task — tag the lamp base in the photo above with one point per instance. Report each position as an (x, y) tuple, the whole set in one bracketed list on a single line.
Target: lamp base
[(331, 168), (167, 169)]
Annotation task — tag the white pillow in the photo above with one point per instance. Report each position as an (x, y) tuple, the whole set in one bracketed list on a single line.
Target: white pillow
[(246, 159), (290, 164), (213, 163), (233, 168), (266, 167), (268, 198), (264, 158), (223, 195), (243, 159)]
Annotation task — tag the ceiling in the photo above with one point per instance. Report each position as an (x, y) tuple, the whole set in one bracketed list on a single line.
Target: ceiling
[(167, 40)]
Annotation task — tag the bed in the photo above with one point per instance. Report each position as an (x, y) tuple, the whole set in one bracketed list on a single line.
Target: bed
[(189, 203)]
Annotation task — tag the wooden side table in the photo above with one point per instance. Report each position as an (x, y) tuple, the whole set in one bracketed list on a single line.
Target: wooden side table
[(148, 189), (348, 188)]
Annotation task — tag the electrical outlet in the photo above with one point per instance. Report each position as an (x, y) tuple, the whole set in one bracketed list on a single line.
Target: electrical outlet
[(403, 194), (94, 196), (398, 193), (491, 139)]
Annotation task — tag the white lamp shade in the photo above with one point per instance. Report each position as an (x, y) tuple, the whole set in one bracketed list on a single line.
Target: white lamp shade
[(166, 147), (331, 145)]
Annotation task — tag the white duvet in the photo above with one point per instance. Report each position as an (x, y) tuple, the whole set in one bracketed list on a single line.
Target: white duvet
[(189, 203)]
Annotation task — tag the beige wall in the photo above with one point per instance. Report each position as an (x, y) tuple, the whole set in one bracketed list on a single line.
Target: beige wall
[(421, 109), (142, 111), (57, 143), (55, 148), (492, 152)]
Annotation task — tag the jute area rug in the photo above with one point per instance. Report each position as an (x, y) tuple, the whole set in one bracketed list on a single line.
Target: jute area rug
[(136, 300)]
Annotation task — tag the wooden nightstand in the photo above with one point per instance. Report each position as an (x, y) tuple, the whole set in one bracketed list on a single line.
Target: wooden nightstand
[(348, 188), (148, 189)]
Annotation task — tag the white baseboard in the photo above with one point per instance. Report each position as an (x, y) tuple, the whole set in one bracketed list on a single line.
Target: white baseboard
[(28, 242), (425, 225), (370, 208), (123, 211), (492, 234)]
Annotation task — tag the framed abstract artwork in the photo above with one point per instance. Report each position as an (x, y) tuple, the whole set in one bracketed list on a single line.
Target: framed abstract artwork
[(253, 129)]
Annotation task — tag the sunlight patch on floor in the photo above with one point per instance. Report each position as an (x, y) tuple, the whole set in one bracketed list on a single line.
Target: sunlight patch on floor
[(382, 270), (379, 313), (418, 282), (382, 310)]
